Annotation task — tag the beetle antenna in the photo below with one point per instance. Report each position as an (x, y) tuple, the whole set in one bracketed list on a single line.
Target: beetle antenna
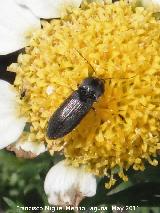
[(85, 59), (122, 78), (94, 69)]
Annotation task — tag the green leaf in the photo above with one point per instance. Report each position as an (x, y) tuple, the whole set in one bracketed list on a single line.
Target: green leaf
[(144, 194), (150, 174), (9, 202), (147, 210), (27, 127), (142, 189), (120, 187)]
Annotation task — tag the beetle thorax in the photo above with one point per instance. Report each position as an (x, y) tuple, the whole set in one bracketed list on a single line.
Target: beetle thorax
[(86, 94)]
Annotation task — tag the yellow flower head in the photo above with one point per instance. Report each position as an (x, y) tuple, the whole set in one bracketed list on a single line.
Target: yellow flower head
[(118, 44)]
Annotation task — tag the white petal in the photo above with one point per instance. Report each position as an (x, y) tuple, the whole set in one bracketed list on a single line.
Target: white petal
[(100, 1), (7, 96), (6, 91), (5, 107), (29, 146), (7, 99), (53, 199), (11, 133), (11, 126), (15, 22), (67, 185), (154, 5), (150, 1), (48, 8), (63, 172), (6, 120), (86, 183)]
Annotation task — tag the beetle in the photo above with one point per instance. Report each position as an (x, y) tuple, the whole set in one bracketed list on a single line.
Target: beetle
[(77, 105), (74, 108)]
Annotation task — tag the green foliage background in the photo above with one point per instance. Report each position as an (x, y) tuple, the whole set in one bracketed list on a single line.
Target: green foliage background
[(21, 184)]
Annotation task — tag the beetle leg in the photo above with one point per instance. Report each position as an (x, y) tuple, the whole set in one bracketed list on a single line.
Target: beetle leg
[(93, 109)]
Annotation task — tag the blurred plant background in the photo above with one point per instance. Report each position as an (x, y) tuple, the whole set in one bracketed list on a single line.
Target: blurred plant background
[(21, 184)]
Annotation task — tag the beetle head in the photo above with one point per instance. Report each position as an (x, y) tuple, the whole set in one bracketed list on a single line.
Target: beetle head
[(91, 89)]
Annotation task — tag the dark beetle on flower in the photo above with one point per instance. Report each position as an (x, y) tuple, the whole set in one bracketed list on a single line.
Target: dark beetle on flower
[(77, 105), (74, 108)]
